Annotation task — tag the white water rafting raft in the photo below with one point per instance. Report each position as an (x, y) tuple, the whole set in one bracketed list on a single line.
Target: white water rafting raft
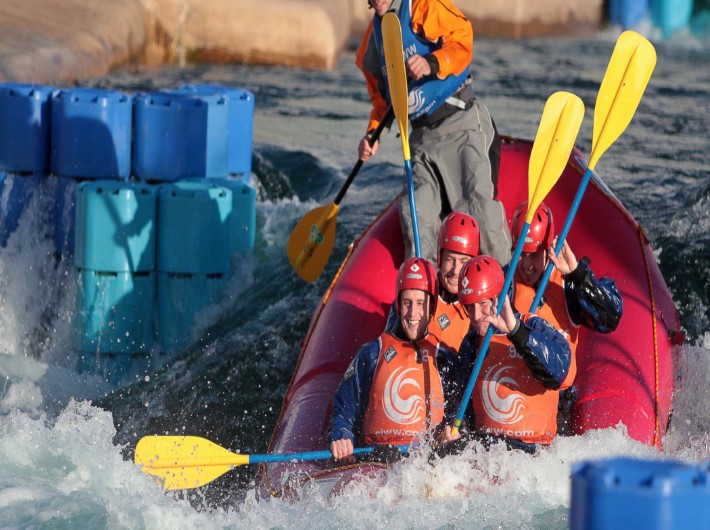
[(625, 377)]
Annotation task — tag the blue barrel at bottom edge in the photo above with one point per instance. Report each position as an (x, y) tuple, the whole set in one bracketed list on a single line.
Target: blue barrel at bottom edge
[(633, 493)]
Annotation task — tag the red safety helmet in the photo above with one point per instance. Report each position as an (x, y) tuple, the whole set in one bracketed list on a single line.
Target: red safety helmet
[(542, 228), (480, 278), (418, 273), (459, 233)]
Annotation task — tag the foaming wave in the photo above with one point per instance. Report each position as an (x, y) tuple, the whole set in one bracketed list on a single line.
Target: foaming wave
[(688, 436)]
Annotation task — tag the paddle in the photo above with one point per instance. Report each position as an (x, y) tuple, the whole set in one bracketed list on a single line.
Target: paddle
[(185, 462), (556, 134), (630, 68), (397, 81), (312, 239)]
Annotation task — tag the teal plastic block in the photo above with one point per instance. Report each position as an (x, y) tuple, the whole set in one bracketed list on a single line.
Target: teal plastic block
[(115, 226), (114, 312), (194, 228), (671, 15), (180, 298), (243, 214)]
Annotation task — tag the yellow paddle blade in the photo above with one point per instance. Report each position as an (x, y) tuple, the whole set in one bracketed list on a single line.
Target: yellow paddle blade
[(556, 134), (184, 462), (397, 76), (630, 68), (311, 242)]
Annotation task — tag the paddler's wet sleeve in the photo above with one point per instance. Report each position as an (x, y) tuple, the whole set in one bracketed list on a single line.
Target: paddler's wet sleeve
[(441, 21), (454, 369), (544, 349), (350, 400), (594, 303), (368, 61)]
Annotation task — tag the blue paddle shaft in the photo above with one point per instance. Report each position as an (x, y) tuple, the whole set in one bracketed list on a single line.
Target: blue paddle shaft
[(489, 332), (310, 455), (413, 207), (561, 239)]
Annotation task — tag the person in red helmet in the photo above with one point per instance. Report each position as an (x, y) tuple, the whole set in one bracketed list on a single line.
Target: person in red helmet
[(392, 393), (455, 147), (458, 243), (515, 396), (573, 296)]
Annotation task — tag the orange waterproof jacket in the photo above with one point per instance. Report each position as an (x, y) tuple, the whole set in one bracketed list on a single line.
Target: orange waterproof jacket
[(554, 310), (406, 396), (450, 323), (433, 21), (509, 401)]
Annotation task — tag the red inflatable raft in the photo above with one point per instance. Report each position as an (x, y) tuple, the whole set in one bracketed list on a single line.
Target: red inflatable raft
[(624, 377)]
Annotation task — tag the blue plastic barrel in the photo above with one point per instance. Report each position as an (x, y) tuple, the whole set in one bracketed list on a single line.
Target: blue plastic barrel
[(64, 214), (627, 13), (24, 127), (622, 493), (91, 133), (194, 228), (16, 191), (241, 125), (114, 313), (115, 226), (243, 214), (179, 136), (671, 15)]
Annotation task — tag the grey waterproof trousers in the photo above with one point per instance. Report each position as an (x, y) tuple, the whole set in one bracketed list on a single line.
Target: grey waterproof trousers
[(452, 170)]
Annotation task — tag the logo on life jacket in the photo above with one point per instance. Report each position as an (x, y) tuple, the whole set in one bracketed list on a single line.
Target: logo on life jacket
[(390, 354), (399, 409), (444, 322), (506, 410), (415, 101)]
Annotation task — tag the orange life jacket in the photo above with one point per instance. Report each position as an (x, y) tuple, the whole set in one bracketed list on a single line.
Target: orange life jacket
[(406, 396), (554, 310), (450, 324), (509, 401)]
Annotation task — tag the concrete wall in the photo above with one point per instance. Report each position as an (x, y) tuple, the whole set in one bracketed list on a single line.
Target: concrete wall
[(514, 18), (533, 18), (309, 33), (41, 42)]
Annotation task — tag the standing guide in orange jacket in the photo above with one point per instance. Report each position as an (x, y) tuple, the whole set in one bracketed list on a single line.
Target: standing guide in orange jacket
[(454, 143)]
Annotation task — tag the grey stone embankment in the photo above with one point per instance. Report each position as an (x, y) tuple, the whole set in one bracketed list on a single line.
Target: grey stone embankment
[(52, 41)]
